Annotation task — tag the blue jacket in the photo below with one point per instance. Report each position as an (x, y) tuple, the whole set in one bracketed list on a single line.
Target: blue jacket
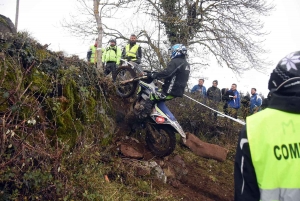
[(255, 101), (234, 103), (198, 88)]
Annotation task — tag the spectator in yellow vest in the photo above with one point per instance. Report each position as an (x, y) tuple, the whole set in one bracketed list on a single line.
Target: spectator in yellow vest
[(132, 51), (92, 53), (268, 150), (111, 57)]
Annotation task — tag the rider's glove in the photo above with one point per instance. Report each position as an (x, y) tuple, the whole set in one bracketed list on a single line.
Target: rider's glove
[(151, 75)]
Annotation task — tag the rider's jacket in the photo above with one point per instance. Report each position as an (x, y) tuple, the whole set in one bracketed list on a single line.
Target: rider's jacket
[(175, 76), (268, 153)]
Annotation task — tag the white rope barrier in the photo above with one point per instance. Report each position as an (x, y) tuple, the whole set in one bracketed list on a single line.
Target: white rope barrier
[(224, 115)]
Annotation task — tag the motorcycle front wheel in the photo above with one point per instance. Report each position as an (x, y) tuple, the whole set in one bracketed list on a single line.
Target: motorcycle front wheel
[(125, 73), (160, 139)]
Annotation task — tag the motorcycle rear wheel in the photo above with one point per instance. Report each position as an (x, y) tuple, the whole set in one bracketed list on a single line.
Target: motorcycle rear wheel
[(125, 73), (160, 139)]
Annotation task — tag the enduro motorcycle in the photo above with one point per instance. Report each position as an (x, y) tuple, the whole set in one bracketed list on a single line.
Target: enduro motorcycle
[(153, 116)]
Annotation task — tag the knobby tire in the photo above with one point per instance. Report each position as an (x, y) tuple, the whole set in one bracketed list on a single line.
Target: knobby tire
[(164, 141), (125, 73)]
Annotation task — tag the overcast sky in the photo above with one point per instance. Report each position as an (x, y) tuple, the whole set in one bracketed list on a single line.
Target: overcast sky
[(41, 18)]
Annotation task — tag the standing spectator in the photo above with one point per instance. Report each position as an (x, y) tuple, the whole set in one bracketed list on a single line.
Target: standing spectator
[(245, 101), (267, 157), (225, 98), (255, 102), (234, 101), (199, 88), (132, 51), (111, 57), (215, 96), (92, 54)]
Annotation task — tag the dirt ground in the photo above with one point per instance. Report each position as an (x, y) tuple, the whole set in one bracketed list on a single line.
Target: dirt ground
[(202, 185), (206, 180)]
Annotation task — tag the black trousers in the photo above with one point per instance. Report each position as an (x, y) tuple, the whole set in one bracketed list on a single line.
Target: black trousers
[(110, 67)]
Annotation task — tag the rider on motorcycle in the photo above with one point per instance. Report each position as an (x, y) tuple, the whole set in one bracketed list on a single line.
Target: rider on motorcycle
[(175, 77)]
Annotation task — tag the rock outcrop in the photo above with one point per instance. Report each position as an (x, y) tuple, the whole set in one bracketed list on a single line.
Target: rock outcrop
[(7, 28)]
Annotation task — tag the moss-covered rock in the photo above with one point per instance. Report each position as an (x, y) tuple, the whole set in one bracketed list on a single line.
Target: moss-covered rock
[(66, 89)]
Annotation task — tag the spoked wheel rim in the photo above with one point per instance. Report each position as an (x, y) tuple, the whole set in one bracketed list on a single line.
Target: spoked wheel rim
[(160, 139), (123, 74)]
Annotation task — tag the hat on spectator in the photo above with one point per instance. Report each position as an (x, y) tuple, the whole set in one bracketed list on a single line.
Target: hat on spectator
[(112, 40), (285, 78)]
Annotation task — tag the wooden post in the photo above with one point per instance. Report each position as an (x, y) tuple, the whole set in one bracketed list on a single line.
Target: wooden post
[(17, 15), (98, 18)]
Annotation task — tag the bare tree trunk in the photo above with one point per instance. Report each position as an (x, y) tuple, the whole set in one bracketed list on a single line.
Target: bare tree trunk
[(17, 16), (100, 34)]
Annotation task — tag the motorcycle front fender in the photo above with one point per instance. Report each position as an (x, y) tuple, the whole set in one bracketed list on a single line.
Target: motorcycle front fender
[(174, 124)]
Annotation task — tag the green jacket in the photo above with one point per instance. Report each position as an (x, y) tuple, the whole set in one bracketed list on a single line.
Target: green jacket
[(112, 54)]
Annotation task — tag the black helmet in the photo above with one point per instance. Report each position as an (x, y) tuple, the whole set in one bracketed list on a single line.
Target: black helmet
[(112, 40), (286, 76)]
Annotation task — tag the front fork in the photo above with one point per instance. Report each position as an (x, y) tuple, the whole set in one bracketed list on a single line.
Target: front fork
[(174, 124)]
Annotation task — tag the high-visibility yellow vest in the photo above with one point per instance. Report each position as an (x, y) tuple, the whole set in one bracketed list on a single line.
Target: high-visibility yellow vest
[(131, 52), (94, 54), (274, 140), (112, 54)]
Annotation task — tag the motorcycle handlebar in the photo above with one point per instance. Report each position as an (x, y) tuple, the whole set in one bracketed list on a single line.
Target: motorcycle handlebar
[(133, 79)]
